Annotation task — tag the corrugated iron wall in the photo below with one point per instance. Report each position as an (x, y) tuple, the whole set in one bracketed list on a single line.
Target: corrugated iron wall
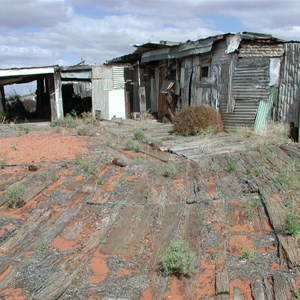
[(289, 93)]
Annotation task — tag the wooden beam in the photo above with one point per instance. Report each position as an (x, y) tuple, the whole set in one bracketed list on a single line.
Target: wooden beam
[(27, 71)]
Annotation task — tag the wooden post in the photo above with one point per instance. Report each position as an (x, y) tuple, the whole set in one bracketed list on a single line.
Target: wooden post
[(142, 98), (2, 99), (51, 87), (56, 104), (127, 104)]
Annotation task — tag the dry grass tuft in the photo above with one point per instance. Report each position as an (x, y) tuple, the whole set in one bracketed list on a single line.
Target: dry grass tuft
[(276, 134), (192, 120)]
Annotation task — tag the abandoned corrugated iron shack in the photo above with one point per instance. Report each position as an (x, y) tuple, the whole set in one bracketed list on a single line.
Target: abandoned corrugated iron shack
[(250, 78)]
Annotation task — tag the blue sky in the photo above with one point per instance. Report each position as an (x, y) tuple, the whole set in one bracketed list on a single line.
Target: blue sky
[(49, 32)]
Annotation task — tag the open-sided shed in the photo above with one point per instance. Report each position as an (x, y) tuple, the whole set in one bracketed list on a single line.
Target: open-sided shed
[(49, 97)]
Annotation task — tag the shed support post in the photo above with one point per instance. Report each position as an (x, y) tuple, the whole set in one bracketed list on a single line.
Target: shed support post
[(55, 93), (142, 98), (2, 99)]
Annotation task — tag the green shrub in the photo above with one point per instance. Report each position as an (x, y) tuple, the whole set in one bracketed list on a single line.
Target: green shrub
[(178, 260), (84, 130), (69, 121), (292, 225), (86, 164), (131, 144), (156, 143), (139, 135), (250, 206), (249, 255), (14, 195), (170, 170), (231, 166), (296, 293), (196, 119)]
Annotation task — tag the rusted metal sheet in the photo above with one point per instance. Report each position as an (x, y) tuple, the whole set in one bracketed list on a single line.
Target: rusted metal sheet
[(289, 93), (261, 50)]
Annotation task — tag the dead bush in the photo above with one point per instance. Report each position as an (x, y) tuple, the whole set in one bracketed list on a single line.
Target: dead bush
[(192, 120)]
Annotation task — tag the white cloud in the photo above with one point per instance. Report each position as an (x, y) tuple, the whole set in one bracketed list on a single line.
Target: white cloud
[(47, 32)]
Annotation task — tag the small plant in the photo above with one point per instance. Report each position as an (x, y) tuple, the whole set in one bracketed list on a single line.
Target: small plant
[(85, 164), (137, 146), (292, 225), (248, 170), (258, 172), (214, 256), (131, 144), (216, 169), (128, 144), (2, 165), (108, 141), (82, 130), (14, 195), (178, 260), (231, 166), (103, 239), (249, 255), (170, 170), (284, 177), (42, 248), (156, 143), (296, 293), (54, 176), (69, 121), (139, 135), (250, 206), (100, 181)]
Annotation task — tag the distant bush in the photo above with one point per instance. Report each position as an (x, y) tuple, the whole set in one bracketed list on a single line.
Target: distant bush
[(192, 120)]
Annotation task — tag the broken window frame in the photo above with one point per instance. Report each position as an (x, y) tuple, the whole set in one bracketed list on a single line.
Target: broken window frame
[(204, 74)]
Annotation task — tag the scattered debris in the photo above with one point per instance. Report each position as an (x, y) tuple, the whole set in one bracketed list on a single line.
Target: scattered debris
[(119, 162), (32, 168)]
